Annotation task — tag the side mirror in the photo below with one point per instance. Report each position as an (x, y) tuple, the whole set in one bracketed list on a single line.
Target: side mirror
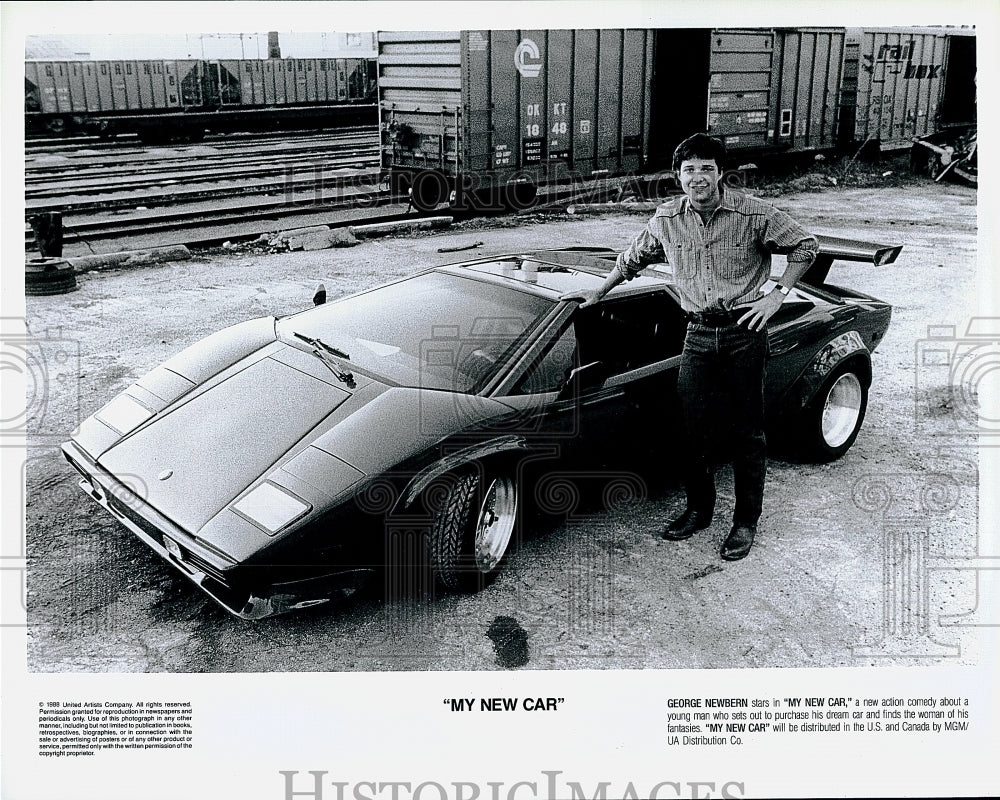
[(586, 376), (320, 297)]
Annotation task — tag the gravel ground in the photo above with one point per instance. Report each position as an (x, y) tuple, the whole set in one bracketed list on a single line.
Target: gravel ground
[(594, 588)]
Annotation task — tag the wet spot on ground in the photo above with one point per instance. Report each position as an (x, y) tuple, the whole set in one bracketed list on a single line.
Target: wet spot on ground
[(510, 641)]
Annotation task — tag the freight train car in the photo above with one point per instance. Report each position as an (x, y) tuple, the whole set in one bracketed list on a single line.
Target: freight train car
[(500, 109), (500, 112), (907, 83), (159, 99)]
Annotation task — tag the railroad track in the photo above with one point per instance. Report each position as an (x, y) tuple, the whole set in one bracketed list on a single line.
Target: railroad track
[(106, 181), (131, 192), (124, 142), (200, 229), (351, 196), (133, 196), (133, 157), (58, 167), (222, 185)]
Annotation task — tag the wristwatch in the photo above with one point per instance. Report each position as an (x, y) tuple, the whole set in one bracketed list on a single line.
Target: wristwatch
[(783, 289)]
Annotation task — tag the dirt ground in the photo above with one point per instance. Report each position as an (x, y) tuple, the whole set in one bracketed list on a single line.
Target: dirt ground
[(845, 570)]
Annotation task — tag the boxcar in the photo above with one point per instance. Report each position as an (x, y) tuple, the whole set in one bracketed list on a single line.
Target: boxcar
[(759, 90), (504, 111), (903, 83)]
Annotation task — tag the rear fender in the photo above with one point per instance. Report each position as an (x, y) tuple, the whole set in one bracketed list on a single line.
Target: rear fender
[(848, 346)]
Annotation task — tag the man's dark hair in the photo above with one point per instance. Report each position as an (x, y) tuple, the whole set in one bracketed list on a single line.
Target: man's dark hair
[(700, 145)]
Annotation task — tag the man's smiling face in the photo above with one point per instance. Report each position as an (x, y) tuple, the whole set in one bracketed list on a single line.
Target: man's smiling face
[(700, 182)]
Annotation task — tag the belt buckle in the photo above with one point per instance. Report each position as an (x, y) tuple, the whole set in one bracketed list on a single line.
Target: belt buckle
[(712, 318)]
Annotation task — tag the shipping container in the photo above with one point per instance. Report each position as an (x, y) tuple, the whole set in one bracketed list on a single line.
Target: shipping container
[(910, 83)]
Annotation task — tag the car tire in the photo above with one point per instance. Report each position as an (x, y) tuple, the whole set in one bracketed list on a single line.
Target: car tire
[(832, 420), (472, 530), (47, 276)]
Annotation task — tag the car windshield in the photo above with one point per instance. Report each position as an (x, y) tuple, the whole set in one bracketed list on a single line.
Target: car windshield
[(433, 331)]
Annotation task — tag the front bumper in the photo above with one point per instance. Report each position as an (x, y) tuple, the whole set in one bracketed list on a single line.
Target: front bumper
[(208, 569)]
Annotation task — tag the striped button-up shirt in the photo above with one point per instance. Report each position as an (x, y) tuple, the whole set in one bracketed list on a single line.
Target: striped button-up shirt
[(721, 263)]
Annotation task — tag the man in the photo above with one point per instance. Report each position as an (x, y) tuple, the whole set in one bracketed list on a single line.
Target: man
[(719, 243)]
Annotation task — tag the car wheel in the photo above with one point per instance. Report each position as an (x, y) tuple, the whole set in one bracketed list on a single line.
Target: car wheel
[(472, 530), (834, 417)]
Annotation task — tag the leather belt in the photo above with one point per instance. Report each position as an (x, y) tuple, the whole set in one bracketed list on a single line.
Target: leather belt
[(716, 319)]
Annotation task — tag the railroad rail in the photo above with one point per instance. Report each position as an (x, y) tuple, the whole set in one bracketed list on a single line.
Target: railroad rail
[(101, 180), (125, 190), (234, 188)]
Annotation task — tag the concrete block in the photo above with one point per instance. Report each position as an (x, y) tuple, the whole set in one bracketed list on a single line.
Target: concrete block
[(297, 233), (131, 258), (388, 228), (340, 237)]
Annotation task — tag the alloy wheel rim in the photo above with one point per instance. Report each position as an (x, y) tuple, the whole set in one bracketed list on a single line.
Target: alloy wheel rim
[(495, 523), (842, 410)]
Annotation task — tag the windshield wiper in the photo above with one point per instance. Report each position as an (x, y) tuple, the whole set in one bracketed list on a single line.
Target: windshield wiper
[(317, 342), (343, 375)]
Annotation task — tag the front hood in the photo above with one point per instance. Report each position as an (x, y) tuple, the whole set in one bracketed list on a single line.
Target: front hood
[(192, 460)]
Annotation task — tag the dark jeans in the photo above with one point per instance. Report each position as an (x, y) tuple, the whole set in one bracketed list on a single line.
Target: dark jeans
[(721, 387)]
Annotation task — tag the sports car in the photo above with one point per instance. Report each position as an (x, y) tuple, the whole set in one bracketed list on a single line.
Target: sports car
[(280, 462)]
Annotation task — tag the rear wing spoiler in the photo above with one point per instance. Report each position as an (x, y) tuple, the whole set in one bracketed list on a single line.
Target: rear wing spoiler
[(832, 248)]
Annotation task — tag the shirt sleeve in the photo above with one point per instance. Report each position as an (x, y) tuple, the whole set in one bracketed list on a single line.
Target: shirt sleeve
[(784, 235), (645, 249)]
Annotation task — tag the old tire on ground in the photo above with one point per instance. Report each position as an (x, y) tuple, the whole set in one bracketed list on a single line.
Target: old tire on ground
[(472, 530), (833, 419), (44, 276)]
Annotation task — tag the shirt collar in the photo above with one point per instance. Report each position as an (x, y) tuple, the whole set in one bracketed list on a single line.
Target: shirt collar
[(727, 201)]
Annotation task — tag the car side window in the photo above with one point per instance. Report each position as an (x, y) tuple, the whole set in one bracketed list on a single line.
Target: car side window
[(631, 332), (551, 370)]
